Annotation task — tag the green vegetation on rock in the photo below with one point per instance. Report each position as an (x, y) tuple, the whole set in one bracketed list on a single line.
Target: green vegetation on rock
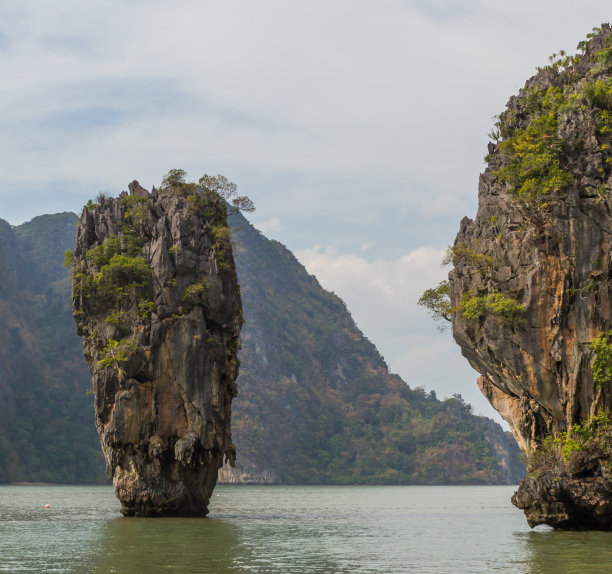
[(475, 306), (208, 189), (117, 352), (533, 151), (117, 318), (602, 361), (471, 305), (482, 261), (590, 435), (68, 257), (532, 157), (437, 302), (119, 272), (213, 198), (136, 210), (193, 295)]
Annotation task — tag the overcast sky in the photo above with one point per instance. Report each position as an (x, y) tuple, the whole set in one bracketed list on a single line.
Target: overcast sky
[(357, 127)]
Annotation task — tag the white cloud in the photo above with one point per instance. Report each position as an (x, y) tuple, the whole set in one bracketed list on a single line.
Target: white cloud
[(270, 226), (382, 295), (396, 94), (395, 284)]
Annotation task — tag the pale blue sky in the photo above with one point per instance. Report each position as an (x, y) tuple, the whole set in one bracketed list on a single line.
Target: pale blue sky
[(357, 127)]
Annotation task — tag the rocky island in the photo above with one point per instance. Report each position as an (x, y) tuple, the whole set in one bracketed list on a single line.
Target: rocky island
[(156, 300), (531, 285)]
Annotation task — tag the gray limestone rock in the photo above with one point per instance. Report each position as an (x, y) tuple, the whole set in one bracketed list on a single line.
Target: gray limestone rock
[(531, 285), (156, 300)]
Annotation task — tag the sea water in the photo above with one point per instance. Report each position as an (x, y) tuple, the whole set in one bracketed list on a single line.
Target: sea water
[(281, 529)]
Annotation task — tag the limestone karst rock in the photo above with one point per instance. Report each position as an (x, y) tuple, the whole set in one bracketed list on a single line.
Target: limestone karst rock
[(531, 287), (156, 300)]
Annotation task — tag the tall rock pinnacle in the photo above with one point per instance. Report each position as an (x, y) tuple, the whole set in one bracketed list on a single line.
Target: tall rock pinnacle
[(156, 300), (531, 287)]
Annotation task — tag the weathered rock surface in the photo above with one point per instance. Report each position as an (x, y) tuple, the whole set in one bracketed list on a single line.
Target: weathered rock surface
[(156, 300), (542, 239)]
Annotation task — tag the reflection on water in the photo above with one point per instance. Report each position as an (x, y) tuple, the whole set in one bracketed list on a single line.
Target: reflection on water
[(183, 545), (557, 552), (192, 546), (291, 529)]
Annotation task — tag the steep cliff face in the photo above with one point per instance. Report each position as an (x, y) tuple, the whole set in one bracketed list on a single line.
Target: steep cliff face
[(156, 300), (531, 285)]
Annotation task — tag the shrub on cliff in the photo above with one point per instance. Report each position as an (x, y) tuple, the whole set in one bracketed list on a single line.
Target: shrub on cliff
[(117, 352), (602, 359), (532, 158), (208, 188), (475, 306), (535, 147), (437, 302), (471, 305)]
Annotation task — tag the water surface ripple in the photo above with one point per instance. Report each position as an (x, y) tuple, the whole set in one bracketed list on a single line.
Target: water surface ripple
[(280, 529)]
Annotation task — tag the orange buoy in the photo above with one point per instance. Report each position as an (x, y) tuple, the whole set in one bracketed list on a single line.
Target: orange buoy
[(47, 506)]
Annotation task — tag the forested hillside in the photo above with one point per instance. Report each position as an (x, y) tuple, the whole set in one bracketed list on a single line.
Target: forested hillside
[(46, 417), (316, 402)]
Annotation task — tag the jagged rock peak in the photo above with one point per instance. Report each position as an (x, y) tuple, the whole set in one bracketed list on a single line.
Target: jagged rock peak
[(156, 300), (531, 287)]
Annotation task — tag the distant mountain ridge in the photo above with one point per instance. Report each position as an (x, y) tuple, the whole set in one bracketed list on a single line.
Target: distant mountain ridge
[(316, 402)]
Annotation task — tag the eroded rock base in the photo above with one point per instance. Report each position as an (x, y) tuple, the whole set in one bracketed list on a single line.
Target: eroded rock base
[(154, 497), (566, 502)]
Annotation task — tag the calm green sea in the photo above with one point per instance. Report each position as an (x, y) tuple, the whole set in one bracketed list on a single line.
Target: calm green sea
[(291, 530)]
